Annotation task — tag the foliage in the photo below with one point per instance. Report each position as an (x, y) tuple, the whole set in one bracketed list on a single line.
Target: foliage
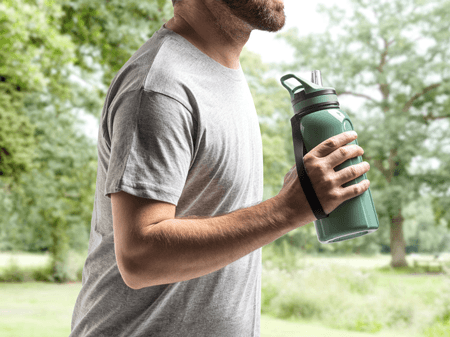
[(57, 197), (69, 51), (16, 141), (32, 54), (351, 299), (16, 271), (108, 32), (273, 113), (55, 55), (393, 55), (357, 73)]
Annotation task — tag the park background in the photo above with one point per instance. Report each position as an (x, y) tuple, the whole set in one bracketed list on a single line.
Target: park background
[(389, 62)]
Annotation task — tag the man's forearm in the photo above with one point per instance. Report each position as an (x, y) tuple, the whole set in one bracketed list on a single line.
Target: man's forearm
[(181, 249)]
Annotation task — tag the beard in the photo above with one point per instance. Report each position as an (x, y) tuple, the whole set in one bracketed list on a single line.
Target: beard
[(266, 15)]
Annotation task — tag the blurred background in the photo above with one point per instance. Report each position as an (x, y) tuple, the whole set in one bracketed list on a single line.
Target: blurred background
[(389, 63)]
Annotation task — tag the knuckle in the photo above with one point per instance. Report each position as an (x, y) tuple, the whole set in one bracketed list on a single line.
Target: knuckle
[(311, 162), (343, 151), (307, 158), (354, 170), (335, 196), (328, 182), (331, 143)]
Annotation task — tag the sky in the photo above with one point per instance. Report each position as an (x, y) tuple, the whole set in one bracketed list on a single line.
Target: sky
[(300, 14)]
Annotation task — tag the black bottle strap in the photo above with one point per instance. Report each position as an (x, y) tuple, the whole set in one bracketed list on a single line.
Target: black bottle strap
[(300, 151)]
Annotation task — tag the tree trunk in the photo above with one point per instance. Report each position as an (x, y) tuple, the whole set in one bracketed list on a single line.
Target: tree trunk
[(398, 251)]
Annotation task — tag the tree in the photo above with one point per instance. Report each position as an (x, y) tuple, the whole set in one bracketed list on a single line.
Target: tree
[(108, 32), (393, 55), (44, 43), (32, 52), (274, 113), (52, 206), (268, 97)]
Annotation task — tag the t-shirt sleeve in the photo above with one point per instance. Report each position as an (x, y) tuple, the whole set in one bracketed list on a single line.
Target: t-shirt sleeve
[(152, 146)]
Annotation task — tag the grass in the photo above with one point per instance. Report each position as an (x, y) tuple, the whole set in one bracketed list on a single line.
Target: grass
[(39, 309), (312, 297), (275, 327), (357, 294)]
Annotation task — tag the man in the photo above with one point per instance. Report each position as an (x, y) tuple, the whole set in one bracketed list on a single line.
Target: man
[(178, 221)]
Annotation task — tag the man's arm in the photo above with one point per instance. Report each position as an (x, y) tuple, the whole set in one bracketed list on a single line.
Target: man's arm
[(181, 249)]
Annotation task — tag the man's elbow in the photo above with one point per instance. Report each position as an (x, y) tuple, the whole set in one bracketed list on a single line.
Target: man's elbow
[(135, 277)]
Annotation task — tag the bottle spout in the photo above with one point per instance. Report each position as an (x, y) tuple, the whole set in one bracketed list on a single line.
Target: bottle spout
[(306, 95), (316, 77), (305, 85)]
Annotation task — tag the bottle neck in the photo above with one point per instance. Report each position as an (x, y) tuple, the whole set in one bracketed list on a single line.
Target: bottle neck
[(303, 102), (303, 96), (316, 107)]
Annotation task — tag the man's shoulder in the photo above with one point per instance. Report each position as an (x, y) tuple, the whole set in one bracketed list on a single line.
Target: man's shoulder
[(170, 65), (161, 62), (175, 62), (133, 73)]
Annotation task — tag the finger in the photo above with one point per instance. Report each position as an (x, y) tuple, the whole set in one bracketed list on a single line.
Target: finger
[(343, 154), (333, 143), (352, 172), (356, 189)]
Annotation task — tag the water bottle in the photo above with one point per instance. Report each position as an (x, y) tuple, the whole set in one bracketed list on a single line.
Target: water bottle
[(317, 118)]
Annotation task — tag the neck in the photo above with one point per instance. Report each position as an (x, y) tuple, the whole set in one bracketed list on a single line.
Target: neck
[(211, 28)]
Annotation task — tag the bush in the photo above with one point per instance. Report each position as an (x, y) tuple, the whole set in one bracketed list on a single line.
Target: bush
[(283, 256), (69, 272), (283, 297), (443, 302), (441, 329), (347, 298), (308, 292)]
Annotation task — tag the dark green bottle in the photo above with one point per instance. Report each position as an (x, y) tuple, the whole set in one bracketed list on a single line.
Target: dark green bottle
[(317, 118)]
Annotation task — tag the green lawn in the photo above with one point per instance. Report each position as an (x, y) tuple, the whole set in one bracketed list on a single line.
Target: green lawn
[(273, 327), (38, 309), (45, 310)]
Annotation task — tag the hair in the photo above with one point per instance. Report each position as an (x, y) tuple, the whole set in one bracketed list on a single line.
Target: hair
[(174, 2)]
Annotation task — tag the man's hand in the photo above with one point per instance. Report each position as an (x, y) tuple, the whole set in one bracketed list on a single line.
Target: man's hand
[(319, 164)]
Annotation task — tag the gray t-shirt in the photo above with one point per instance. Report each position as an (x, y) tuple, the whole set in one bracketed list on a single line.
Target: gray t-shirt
[(178, 127)]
